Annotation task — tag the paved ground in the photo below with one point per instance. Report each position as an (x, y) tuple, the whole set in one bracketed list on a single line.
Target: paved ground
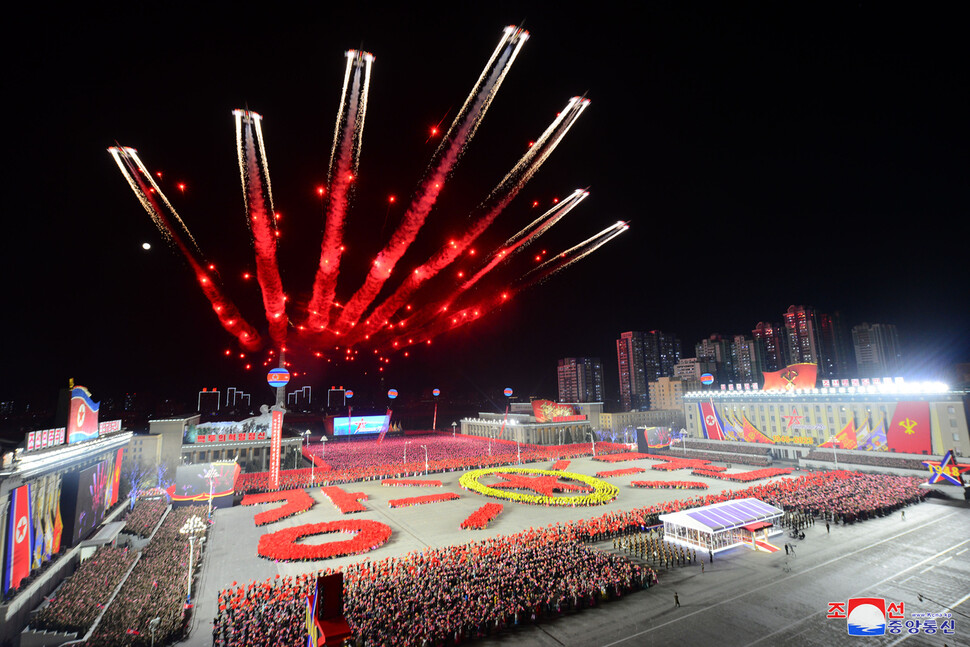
[(745, 598)]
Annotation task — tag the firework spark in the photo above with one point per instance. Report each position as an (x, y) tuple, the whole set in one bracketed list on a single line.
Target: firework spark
[(342, 329)]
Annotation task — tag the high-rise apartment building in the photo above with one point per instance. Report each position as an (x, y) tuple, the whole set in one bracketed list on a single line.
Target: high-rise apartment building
[(661, 352), (801, 335), (642, 357), (876, 349), (836, 360), (771, 345), (746, 360), (580, 379), (717, 352), (666, 393), (633, 380)]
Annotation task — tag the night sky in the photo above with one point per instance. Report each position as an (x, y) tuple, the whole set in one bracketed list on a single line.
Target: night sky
[(765, 156)]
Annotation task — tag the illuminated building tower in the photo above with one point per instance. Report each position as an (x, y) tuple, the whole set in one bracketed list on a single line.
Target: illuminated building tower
[(770, 346), (633, 380), (876, 349), (801, 335), (580, 379), (746, 360)]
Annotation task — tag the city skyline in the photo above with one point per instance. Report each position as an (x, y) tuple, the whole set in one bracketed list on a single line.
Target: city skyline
[(817, 157)]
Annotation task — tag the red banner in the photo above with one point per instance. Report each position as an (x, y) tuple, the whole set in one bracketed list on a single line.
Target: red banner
[(909, 431), (845, 439), (712, 427), (20, 538), (793, 376), (752, 434), (116, 477), (276, 429)]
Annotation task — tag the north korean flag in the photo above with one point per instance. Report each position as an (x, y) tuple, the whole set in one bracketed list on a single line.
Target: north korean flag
[(712, 426), (20, 539)]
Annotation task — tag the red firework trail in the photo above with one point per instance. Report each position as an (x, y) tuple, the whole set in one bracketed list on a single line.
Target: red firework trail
[(445, 320), (343, 172), (522, 239), (507, 189), (257, 192), (148, 193), (463, 128), (429, 316)]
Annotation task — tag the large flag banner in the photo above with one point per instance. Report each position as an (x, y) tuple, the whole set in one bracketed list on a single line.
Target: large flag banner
[(909, 432), (793, 376), (876, 440), (58, 528), (20, 539), (712, 426), (82, 423), (116, 477), (752, 434), (845, 439)]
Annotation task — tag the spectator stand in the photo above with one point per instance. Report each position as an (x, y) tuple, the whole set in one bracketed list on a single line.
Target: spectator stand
[(14, 612)]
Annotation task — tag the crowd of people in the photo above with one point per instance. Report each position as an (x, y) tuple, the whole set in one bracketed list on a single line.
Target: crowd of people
[(156, 588), (439, 596), (878, 459), (744, 477), (143, 518), (412, 600), (755, 449), (847, 497), (78, 602), (724, 455), (368, 460)]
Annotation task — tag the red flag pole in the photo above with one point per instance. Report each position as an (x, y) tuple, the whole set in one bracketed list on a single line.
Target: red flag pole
[(434, 421)]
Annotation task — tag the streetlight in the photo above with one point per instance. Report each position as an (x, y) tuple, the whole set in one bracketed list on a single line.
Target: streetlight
[(592, 439), (425, 459), (406, 443), (152, 627), (192, 526), (453, 426), (211, 475), (835, 454), (306, 436)]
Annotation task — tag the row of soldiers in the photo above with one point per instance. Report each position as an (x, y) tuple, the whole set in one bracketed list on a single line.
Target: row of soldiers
[(651, 546), (797, 520)]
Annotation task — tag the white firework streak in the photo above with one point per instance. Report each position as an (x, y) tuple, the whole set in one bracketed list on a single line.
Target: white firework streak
[(131, 155), (340, 111), (543, 222), (511, 33), (362, 113), (265, 164), (587, 247)]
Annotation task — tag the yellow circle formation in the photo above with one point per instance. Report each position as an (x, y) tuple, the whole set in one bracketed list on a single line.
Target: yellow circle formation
[(545, 480)]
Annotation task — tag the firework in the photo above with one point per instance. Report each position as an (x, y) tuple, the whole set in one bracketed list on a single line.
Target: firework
[(152, 198), (363, 320)]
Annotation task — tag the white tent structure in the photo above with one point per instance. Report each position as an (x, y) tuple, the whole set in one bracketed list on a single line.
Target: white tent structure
[(724, 525)]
